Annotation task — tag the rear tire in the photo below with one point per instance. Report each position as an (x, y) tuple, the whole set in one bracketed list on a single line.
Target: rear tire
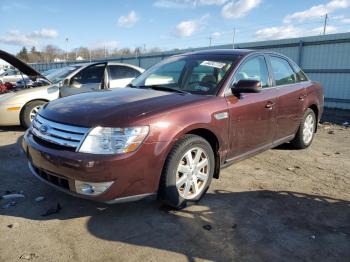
[(306, 131), (187, 172), (29, 112)]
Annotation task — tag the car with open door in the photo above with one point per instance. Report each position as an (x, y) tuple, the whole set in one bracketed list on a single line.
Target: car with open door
[(169, 133), (99, 76), (19, 104)]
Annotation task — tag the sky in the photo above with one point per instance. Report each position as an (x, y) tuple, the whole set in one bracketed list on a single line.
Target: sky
[(165, 24)]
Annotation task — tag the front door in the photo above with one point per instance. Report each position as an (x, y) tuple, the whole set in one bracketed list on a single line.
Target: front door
[(252, 116), (87, 80)]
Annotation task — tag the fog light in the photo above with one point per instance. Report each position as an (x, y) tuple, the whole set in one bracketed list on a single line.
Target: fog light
[(87, 189), (91, 188)]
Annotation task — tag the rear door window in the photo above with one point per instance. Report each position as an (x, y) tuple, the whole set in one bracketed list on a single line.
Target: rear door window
[(121, 72), (300, 75), (91, 75), (282, 71)]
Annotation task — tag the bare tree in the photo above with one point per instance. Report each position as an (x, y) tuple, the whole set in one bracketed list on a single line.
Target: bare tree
[(51, 52)]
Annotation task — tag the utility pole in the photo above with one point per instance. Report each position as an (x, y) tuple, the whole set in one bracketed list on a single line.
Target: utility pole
[(210, 38), (105, 50), (325, 24), (233, 37)]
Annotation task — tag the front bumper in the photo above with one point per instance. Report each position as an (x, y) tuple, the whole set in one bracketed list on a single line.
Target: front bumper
[(134, 175)]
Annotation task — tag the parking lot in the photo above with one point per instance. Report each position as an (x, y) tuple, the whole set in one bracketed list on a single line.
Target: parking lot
[(280, 205)]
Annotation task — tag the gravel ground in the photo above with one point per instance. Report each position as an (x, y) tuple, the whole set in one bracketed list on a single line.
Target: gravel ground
[(282, 205)]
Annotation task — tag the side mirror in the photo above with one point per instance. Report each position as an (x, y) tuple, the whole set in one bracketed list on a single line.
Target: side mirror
[(246, 86), (65, 82)]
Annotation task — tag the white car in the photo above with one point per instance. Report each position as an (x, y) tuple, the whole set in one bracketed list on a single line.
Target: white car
[(19, 105), (11, 76)]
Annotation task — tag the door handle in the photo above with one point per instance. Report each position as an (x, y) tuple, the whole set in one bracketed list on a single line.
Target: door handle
[(269, 105), (302, 97)]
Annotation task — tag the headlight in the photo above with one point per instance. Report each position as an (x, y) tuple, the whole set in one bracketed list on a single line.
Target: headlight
[(107, 140)]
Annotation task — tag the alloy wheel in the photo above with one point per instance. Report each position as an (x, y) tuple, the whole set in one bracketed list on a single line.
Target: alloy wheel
[(192, 173), (308, 129), (33, 112)]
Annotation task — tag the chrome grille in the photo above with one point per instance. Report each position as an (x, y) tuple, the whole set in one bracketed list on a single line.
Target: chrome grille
[(58, 134)]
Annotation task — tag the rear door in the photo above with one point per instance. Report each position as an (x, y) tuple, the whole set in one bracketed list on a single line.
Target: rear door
[(291, 96), (120, 75), (86, 80), (252, 115)]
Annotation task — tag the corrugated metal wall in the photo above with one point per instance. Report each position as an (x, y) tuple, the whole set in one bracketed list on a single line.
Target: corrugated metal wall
[(326, 59)]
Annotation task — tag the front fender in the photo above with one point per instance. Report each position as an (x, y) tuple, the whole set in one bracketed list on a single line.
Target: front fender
[(174, 125)]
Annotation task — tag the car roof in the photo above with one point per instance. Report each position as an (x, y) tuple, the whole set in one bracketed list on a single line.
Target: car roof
[(222, 52), (124, 64), (236, 52), (82, 66), (109, 63)]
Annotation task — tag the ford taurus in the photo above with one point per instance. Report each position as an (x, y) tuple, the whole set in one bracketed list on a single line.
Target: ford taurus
[(176, 125)]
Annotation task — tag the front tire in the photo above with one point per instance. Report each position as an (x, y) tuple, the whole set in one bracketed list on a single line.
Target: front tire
[(306, 131), (29, 112), (187, 172)]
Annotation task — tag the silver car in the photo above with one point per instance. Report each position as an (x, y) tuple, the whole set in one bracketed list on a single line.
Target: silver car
[(19, 105), (11, 76)]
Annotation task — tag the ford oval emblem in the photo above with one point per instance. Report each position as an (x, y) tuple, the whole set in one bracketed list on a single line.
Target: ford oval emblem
[(44, 129)]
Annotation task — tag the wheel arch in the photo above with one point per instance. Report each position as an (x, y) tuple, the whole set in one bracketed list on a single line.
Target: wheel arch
[(213, 140), (314, 108), (30, 101)]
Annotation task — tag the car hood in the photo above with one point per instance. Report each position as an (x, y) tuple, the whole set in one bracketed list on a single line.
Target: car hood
[(21, 97), (114, 108), (21, 66)]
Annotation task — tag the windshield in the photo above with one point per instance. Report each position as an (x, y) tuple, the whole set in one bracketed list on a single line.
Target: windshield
[(58, 75), (195, 74), (45, 73)]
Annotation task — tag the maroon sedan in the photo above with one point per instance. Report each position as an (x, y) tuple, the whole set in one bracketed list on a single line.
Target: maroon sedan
[(174, 127)]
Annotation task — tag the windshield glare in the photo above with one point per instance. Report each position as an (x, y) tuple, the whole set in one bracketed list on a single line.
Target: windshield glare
[(58, 75), (196, 74)]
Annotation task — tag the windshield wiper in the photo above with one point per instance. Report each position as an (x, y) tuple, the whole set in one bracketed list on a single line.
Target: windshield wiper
[(131, 85), (162, 88)]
